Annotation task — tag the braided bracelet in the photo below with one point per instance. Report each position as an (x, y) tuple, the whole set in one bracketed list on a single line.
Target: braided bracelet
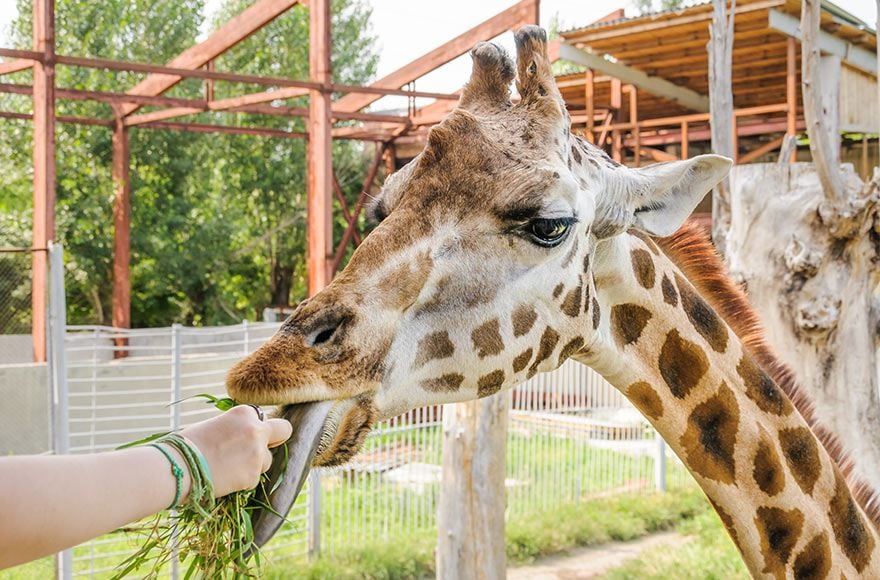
[(201, 495), (176, 471)]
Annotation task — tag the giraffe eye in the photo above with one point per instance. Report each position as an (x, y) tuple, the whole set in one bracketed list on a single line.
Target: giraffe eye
[(548, 232)]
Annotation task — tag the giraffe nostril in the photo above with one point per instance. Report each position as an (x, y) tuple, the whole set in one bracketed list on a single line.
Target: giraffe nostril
[(322, 335)]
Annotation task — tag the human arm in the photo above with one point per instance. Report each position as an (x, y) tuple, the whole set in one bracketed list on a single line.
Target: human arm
[(49, 503)]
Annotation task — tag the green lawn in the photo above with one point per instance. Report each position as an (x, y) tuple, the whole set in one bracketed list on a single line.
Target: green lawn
[(708, 555)]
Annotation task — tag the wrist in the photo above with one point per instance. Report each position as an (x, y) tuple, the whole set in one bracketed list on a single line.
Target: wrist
[(179, 462)]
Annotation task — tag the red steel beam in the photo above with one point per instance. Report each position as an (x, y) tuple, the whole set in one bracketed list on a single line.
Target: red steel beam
[(13, 66), (236, 30), (43, 228), (319, 226), (524, 12), (121, 303), (58, 119)]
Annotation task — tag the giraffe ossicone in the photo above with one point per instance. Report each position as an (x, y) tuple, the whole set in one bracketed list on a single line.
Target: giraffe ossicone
[(509, 245)]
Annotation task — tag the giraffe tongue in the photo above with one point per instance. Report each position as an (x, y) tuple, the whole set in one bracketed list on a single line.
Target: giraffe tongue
[(273, 500)]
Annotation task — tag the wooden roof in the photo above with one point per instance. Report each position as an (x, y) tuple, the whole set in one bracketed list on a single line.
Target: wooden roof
[(672, 45)]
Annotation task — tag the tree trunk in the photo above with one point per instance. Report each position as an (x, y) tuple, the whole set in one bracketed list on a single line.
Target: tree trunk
[(470, 519), (811, 270), (720, 50)]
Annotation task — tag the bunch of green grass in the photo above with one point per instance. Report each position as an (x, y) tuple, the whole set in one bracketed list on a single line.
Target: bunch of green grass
[(216, 546)]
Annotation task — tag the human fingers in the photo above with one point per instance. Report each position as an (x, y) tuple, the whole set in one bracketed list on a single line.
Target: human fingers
[(280, 431)]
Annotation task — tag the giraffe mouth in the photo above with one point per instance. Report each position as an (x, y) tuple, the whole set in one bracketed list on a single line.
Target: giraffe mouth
[(325, 433)]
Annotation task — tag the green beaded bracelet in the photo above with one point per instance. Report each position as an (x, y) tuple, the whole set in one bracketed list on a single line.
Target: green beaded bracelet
[(176, 471)]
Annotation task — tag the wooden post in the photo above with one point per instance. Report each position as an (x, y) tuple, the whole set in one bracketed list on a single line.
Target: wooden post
[(390, 158), (44, 168), (634, 122), (320, 159), (723, 121), (791, 93), (616, 104), (470, 514), (121, 307), (589, 97), (209, 83), (820, 76), (684, 140)]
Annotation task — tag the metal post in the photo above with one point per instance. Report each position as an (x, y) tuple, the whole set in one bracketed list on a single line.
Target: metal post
[(660, 464), (57, 329), (175, 423), (314, 525)]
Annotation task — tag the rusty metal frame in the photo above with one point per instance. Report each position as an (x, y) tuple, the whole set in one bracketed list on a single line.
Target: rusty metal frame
[(198, 62)]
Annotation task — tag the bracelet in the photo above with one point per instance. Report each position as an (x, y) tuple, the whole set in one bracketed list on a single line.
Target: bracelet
[(176, 471), (201, 495)]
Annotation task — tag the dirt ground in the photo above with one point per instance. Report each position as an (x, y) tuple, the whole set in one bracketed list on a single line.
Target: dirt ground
[(584, 563)]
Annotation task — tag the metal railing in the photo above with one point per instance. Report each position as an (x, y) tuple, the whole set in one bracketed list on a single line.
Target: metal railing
[(571, 437)]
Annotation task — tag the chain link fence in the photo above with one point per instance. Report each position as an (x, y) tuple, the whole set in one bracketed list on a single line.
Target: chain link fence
[(16, 316)]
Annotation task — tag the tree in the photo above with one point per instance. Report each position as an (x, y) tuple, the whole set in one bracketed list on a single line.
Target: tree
[(217, 220)]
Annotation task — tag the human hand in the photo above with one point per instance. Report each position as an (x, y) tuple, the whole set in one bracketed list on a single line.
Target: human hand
[(236, 445)]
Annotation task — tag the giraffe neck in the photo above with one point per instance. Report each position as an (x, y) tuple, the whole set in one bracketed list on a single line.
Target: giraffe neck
[(782, 497)]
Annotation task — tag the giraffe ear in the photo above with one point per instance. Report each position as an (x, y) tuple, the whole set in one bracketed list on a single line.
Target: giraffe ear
[(489, 85), (662, 196)]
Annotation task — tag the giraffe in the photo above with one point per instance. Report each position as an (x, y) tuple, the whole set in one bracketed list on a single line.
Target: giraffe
[(510, 245)]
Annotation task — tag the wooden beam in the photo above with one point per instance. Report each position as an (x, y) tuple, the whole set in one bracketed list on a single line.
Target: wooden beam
[(760, 151), (121, 303), (685, 153), (43, 229), (791, 92), (58, 119), (589, 98), (236, 30), (319, 227), (13, 66), (233, 130), (616, 104), (654, 85), (522, 12), (851, 54)]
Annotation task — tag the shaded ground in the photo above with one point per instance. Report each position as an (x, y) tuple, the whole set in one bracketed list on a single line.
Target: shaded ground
[(593, 562)]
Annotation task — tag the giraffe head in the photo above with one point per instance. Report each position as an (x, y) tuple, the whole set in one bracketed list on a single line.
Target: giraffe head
[(479, 274)]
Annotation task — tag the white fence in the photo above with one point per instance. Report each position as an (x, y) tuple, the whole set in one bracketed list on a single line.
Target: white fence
[(572, 437)]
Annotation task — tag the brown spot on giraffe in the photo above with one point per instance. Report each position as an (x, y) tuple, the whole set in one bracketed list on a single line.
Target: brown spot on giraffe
[(571, 254), (646, 239), (646, 399), (571, 306), (767, 470), (558, 290), (571, 347), (523, 318), (670, 295), (586, 262), (405, 281), (682, 364), (850, 529), (549, 339), (627, 323), (435, 345), (490, 384), (522, 360), (704, 319), (487, 338), (728, 522), (814, 561), (643, 267), (443, 384), (575, 153), (710, 436), (597, 314), (802, 456), (761, 389), (778, 530)]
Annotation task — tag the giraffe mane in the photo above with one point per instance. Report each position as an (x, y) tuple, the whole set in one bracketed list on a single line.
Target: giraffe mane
[(691, 250)]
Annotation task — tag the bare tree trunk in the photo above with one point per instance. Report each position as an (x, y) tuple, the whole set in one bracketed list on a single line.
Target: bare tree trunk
[(821, 97), (721, 106), (470, 519), (813, 276)]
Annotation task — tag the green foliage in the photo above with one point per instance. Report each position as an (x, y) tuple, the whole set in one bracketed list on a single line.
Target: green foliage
[(218, 221), (708, 555)]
